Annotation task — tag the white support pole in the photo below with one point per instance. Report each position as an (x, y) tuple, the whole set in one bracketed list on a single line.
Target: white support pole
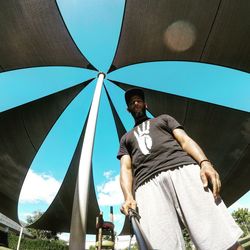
[(77, 240), (19, 239)]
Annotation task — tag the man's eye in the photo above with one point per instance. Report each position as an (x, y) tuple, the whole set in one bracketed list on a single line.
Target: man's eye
[(133, 102)]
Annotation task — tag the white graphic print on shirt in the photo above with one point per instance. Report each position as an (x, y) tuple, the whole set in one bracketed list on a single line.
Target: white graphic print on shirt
[(143, 138)]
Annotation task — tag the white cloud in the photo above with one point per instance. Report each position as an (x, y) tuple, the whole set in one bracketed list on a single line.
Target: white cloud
[(119, 218), (109, 193), (108, 174), (63, 236), (39, 188)]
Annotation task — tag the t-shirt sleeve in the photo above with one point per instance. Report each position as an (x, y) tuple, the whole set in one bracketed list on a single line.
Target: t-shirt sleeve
[(123, 148), (171, 123)]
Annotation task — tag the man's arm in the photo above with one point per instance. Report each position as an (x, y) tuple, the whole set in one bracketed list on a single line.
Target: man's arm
[(126, 181), (208, 173)]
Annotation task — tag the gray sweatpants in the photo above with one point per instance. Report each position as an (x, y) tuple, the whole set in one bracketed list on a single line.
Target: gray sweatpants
[(176, 196)]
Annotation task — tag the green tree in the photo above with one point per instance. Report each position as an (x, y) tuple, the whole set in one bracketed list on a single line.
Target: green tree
[(133, 247), (38, 244), (37, 233), (187, 239), (242, 218)]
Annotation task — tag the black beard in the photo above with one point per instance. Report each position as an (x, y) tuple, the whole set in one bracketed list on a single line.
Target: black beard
[(139, 116)]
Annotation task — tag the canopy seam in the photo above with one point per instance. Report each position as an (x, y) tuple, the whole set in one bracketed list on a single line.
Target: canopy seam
[(210, 31)]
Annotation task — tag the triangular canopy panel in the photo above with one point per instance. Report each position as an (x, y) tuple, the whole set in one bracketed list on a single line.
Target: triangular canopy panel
[(58, 216), (215, 32), (22, 131), (33, 33), (119, 125), (126, 230)]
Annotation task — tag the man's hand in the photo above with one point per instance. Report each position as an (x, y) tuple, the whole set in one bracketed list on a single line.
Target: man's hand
[(209, 174), (131, 203)]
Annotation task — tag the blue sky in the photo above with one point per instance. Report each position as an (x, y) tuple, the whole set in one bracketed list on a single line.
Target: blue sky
[(94, 26)]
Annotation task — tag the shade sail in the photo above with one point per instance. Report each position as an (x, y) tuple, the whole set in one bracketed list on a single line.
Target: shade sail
[(223, 133), (215, 32), (126, 230), (119, 125), (58, 216), (22, 131), (33, 33)]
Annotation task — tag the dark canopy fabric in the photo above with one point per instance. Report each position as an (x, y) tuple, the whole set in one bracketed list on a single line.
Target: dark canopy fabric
[(22, 131), (215, 32), (119, 125), (33, 34), (223, 133), (126, 230), (58, 215)]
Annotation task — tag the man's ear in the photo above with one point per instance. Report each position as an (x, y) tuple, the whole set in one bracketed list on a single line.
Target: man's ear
[(128, 110), (146, 105)]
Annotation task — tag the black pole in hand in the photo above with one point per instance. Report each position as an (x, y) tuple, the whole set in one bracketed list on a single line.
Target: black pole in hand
[(140, 236)]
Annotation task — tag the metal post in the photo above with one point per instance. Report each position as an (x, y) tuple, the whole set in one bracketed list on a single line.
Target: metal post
[(77, 241), (141, 238), (111, 214), (19, 239), (100, 225)]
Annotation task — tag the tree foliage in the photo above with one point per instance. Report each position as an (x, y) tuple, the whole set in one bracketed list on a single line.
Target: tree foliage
[(37, 233), (133, 246), (187, 239), (39, 244), (242, 218), (43, 239)]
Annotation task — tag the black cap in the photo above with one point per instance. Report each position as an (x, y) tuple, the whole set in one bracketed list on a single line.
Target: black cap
[(132, 92)]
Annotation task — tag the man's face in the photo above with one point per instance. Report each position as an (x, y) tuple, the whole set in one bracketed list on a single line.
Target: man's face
[(137, 107)]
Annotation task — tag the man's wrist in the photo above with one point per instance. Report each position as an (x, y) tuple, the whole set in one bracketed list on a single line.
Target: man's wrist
[(129, 198), (202, 161)]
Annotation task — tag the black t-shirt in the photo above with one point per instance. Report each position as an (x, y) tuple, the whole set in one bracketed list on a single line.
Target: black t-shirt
[(153, 148)]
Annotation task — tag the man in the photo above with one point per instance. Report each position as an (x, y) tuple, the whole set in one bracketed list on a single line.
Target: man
[(166, 174)]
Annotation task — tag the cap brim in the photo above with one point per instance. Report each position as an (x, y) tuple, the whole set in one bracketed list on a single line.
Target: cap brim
[(132, 92)]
